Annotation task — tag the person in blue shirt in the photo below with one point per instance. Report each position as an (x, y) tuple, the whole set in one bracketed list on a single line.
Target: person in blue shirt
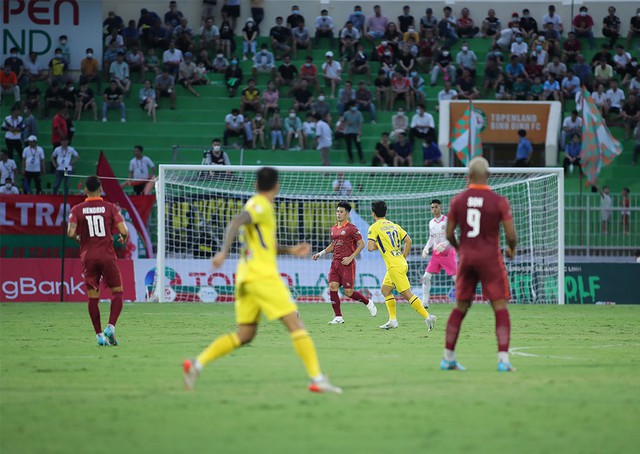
[(524, 152), (572, 154), (357, 18), (513, 70), (431, 154)]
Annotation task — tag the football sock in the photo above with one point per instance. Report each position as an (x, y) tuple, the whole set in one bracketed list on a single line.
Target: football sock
[(94, 313), (453, 328), (416, 304), (359, 297), (223, 345), (426, 287), (390, 301), (306, 350), (503, 329), (116, 308), (335, 303), (449, 355)]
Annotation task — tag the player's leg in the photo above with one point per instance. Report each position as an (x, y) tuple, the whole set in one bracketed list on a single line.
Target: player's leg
[(417, 306), (450, 266), (334, 286), (389, 301), (113, 279), (433, 267), (92, 274), (348, 279), (495, 286), (466, 283)]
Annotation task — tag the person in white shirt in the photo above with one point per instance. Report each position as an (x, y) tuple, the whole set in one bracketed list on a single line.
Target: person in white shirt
[(13, 125), (444, 256), (422, 125), (553, 18), (324, 138), (506, 37), (63, 159), (615, 96), (520, 48), (233, 126), (331, 71), (399, 124), (324, 28), (606, 207), (8, 168), (141, 169), (32, 165), (119, 71), (8, 187), (341, 186), (172, 58), (447, 93), (570, 126)]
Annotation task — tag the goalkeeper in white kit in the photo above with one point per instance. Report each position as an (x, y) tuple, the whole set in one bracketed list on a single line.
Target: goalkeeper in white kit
[(444, 256)]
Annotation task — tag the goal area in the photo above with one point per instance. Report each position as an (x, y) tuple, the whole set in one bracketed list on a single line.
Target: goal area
[(195, 204)]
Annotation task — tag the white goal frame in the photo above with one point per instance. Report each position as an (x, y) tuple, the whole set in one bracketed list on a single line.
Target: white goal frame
[(161, 200)]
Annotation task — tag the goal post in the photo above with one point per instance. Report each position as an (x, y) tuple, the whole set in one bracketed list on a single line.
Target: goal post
[(195, 204)]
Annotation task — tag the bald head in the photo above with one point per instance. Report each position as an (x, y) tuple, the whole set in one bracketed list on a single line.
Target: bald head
[(479, 170)]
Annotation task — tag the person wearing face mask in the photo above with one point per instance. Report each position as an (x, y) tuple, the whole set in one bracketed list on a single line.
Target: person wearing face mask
[(295, 18), (233, 77), (399, 124), (264, 62), (233, 126), (33, 166), (58, 68), (89, 69), (293, 130), (309, 72), (230, 12), (322, 107), (506, 37), (8, 188), (63, 44), (215, 156), (443, 65), (301, 39), (583, 26), (357, 18), (353, 120), (249, 38), (219, 63), (519, 47), (17, 66), (171, 59), (466, 59)]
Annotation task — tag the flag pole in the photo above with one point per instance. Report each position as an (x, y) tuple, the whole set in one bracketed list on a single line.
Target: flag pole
[(471, 142)]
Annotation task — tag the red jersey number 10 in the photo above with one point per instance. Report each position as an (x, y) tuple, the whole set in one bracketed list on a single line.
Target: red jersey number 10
[(473, 220), (96, 226)]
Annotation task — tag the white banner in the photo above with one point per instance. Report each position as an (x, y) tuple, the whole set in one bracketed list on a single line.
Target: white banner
[(36, 26)]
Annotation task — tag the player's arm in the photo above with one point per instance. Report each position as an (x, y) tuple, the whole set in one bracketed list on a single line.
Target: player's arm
[(325, 251), (351, 258), (124, 232), (238, 221), (451, 231), (300, 249), (407, 246), (511, 237), (72, 231), (371, 245)]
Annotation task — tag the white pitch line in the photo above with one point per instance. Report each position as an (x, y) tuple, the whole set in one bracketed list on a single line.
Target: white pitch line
[(516, 351)]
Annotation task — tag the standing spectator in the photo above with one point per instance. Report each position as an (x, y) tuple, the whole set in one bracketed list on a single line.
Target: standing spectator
[(572, 155), (383, 154), (583, 26), (524, 152), (112, 99), (171, 59), (630, 115), (257, 11), (8, 168), (13, 124), (89, 69), (215, 156), (270, 98), (189, 75), (443, 64), (383, 87), (9, 83), (59, 127), (324, 28), (250, 35), (275, 126), (30, 124), (250, 98), (280, 36), (302, 97), (324, 139), (400, 89), (230, 12), (233, 77), (141, 170), (611, 26), (233, 126), (364, 100), (353, 120), (227, 39), (119, 71), (287, 73), (553, 18), (293, 130), (331, 71), (466, 26), (209, 36), (165, 87), (422, 125), (63, 159), (634, 28), (147, 98), (606, 207), (403, 152), (33, 167), (625, 213), (491, 25), (263, 62), (571, 125), (376, 25), (309, 72), (257, 130), (431, 154)]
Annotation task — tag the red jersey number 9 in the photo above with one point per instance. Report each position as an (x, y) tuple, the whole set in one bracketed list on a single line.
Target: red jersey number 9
[(473, 220)]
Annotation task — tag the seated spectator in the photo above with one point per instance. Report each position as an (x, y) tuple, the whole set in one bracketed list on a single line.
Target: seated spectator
[(467, 87), (519, 47), (34, 69), (513, 70), (301, 39), (345, 96), (466, 59), (264, 63), (392, 36), (209, 36), (89, 69), (630, 115), (403, 152), (406, 61), (491, 25), (427, 48), (135, 59), (309, 131), (536, 89), (406, 20), (226, 42), (250, 98), (280, 37), (146, 21), (602, 54), (324, 28), (552, 37), (634, 84), (493, 76), (554, 19), (551, 89), (428, 22), (611, 26), (349, 39), (443, 64), (183, 28), (287, 73), (156, 35), (276, 127), (634, 28), (9, 83), (621, 61), (447, 27), (250, 35), (388, 61), (572, 154), (173, 16), (69, 95), (570, 85), (114, 39), (257, 130), (600, 99), (603, 73), (376, 25), (220, 63), (360, 63), (399, 124), (400, 89), (165, 88), (331, 71), (85, 100), (32, 100), (302, 97), (447, 93), (53, 98), (364, 100), (466, 26), (431, 154), (309, 72), (190, 76), (293, 130), (571, 48), (556, 68), (383, 155), (171, 59), (58, 68), (417, 84), (583, 26), (233, 126), (17, 66), (422, 125), (357, 18), (119, 71), (8, 188), (270, 98), (583, 71), (152, 62), (113, 99), (528, 25), (233, 77), (130, 34), (383, 88)]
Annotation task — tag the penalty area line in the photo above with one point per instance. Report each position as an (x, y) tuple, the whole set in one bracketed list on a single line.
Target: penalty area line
[(516, 352)]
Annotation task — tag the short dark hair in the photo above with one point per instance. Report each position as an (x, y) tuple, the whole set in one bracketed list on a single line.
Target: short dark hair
[(379, 208), (345, 205), (522, 133), (138, 147), (266, 178), (436, 201), (92, 183), (215, 140)]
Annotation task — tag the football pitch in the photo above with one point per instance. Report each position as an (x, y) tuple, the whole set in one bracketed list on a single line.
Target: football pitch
[(576, 389)]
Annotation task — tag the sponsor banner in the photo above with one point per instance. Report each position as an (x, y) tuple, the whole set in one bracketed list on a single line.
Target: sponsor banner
[(601, 283), (38, 280), (36, 26), (499, 122), (43, 214)]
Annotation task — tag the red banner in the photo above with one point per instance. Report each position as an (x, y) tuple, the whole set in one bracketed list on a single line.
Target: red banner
[(43, 214), (38, 280)]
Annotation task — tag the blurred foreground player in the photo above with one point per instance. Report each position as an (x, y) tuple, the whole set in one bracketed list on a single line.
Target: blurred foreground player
[(92, 223), (259, 288), (479, 212)]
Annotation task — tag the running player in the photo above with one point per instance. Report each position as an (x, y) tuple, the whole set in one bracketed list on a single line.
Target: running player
[(259, 288), (346, 244), (479, 211), (388, 237), (444, 256), (92, 223)]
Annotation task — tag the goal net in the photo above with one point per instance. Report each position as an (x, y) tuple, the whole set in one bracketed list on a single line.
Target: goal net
[(195, 204)]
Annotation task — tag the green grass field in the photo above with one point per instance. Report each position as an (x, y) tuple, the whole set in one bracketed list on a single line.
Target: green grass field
[(576, 391)]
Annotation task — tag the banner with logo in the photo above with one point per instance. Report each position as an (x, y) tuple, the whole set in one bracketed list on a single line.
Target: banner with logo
[(499, 122), (36, 26), (44, 214), (38, 280)]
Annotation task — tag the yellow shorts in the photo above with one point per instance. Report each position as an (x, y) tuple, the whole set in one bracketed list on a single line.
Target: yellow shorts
[(397, 277), (270, 297)]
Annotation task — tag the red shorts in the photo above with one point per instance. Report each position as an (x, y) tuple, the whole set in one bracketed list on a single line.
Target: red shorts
[(343, 275), (492, 276), (108, 270)]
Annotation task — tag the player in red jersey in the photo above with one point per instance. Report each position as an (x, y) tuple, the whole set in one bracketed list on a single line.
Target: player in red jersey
[(479, 212), (93, 223), (346, 244)]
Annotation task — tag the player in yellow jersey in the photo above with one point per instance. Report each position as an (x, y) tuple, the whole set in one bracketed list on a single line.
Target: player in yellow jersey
[(259, 288), (388, 237)]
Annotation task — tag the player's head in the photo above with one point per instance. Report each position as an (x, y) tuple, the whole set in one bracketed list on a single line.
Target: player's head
[(342, 211), (137, 151), (436, 208), (625, 191), (267, 180), (379, 209), (93, 185), (478, 170)]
